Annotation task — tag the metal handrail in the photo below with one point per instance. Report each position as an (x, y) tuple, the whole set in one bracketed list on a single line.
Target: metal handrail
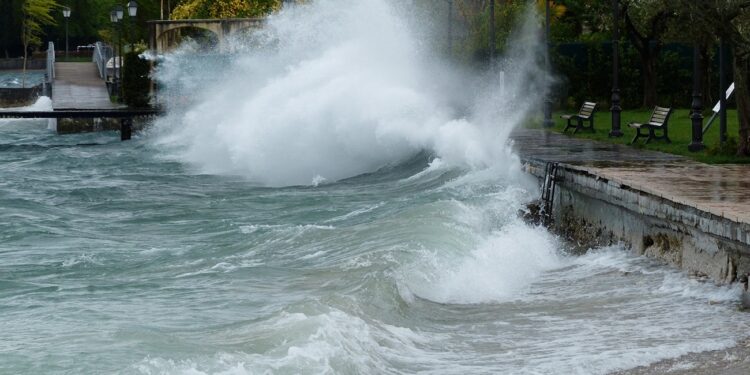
[(49, 75), (102, 54)]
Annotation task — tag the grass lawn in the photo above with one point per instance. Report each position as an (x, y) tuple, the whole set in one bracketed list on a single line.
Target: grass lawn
[(679, 132)]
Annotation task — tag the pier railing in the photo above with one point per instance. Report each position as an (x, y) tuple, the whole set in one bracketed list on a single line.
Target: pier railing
[(49, 75), (102, 54)]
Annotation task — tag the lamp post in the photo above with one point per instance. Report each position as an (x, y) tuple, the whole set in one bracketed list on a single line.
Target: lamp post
[(119, 13), (66, 14), (132, 11), (697, 105), (616, 108), (547, 103), (115, 65)]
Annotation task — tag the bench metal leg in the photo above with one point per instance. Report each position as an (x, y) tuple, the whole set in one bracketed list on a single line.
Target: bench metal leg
[(568, 126), (651, 135), (638, 134), (579, 126)]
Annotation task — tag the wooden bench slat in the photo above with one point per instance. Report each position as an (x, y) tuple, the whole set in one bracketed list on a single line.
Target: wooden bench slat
[(586, 113), (658, 121)]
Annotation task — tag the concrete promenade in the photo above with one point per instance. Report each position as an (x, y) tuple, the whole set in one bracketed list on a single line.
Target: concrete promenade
[(77, 85), (722, 190), (692, 215)]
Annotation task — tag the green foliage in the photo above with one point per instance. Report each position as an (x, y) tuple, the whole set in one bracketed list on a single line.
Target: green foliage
[(583, 20), (508, 16), (136, 83), (224, 8), (728, 148), (680, 132), (35, 15), (584, 71)]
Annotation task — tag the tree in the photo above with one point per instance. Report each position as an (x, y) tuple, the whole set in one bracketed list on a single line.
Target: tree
[(224, 8), (729, 19), (35, 14), (476, 15), (10, 19), (646, 23), (583, 20)]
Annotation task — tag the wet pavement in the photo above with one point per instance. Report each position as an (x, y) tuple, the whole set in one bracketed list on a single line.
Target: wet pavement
[(77, 85), (722, 190)]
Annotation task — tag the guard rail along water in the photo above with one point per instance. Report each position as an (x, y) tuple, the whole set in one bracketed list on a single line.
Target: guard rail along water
[(102, 54), (49, 75)]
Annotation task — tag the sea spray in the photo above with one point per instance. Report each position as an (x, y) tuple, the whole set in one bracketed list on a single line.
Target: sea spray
[(327, 93)]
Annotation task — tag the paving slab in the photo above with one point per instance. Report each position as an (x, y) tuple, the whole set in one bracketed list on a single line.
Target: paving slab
[(723, 190)]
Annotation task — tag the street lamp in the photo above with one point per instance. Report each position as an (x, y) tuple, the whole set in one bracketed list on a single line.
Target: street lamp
[(547, 100), (132, 11), (132, 8), (616, 108), (115, 16), (696, 106), (118, 9), (66, 14)]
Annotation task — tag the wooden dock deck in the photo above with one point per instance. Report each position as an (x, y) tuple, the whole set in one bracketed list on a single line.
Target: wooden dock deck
[(77, 85)]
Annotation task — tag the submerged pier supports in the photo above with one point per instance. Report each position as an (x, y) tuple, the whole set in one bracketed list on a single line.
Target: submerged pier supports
[(125, 116), (126, 128)]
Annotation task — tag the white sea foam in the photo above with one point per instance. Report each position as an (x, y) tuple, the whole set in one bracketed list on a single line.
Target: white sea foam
[(327, 94), (42, 103), (499, 267)]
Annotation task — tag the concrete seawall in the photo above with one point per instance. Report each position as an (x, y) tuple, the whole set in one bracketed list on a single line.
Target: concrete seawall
[(691, 215)]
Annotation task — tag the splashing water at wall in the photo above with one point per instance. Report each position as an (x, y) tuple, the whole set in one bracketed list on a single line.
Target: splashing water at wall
[(333, 89), (418, 264)]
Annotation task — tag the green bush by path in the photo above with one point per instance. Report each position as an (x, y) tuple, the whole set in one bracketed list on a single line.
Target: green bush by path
[(680, 132), (136, 84)]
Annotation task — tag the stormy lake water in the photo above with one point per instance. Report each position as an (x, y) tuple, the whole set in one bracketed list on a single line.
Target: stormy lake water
[(323, 208)]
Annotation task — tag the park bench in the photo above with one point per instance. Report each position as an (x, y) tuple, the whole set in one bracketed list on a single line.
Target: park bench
[(659, 121), (585, 114)]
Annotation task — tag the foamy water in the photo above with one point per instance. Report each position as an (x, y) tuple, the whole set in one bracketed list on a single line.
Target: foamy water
[(335, 210)]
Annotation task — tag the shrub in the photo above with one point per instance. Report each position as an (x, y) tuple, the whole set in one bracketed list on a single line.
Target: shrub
[(728, 148), (136, 84)]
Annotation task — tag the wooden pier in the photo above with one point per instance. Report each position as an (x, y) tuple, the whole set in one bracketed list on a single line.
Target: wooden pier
[(125, 115), (78, 85), (80, 93)]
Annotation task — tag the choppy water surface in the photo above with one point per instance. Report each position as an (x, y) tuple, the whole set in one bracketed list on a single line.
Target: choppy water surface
[(335, 200), (116, 259), (15, 79)]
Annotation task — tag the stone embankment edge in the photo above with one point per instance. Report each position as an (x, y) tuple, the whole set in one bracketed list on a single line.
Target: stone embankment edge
[(593, 211)]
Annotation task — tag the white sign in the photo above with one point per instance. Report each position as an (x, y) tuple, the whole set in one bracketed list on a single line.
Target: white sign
[(730, 90)]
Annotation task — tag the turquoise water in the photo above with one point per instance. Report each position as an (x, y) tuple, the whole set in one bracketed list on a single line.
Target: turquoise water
[(116, 258), (15, 79), (336, 200)]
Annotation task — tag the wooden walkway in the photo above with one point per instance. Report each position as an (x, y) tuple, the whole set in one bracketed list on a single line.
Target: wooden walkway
[(77, 85)]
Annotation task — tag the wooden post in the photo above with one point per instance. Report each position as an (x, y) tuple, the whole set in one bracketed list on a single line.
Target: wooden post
[(126, 128)]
